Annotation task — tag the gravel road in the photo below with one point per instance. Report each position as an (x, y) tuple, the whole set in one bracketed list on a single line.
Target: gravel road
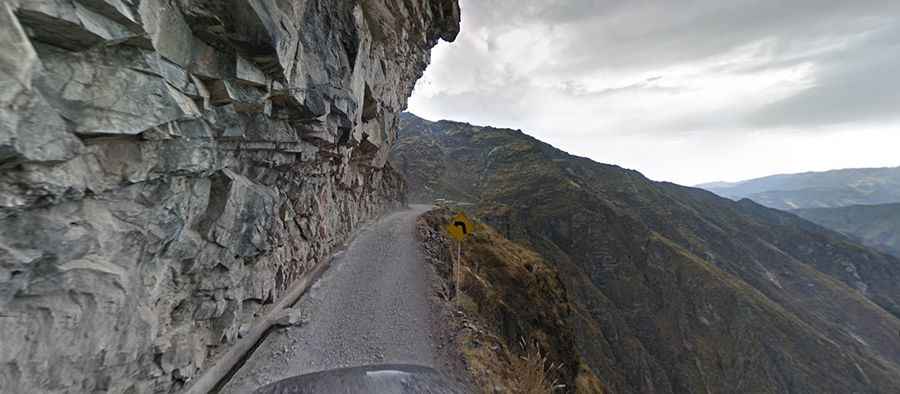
[(371, 307)]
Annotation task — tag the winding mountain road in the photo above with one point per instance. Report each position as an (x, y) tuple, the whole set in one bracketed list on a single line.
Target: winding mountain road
[(371, 307)]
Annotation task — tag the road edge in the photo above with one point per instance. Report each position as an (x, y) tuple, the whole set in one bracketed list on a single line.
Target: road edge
[(218, 375)]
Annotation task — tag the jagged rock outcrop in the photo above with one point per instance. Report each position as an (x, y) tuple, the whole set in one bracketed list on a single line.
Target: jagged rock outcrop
[(169, 167)]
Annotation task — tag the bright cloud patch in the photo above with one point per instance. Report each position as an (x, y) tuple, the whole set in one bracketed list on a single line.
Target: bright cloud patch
[(713, 91)]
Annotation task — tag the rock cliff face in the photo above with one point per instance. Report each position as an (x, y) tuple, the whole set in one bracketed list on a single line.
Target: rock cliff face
[(169, 167)]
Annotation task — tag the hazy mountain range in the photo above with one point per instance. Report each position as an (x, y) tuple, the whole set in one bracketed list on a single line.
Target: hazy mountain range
[(863, 203), (838, 188), (675, 289)]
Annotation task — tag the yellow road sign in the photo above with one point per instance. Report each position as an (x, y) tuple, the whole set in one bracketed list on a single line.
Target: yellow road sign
[(460, 226)]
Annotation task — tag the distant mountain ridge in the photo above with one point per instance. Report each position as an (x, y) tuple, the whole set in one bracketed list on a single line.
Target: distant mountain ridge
[(862, 203), (675, 289), (829, 189), (877, 226)]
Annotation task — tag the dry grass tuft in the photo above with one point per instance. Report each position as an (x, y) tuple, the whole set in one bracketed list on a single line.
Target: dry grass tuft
[(533, 372)]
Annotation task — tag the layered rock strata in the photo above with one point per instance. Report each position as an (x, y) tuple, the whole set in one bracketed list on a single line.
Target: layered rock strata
[(169, 167)]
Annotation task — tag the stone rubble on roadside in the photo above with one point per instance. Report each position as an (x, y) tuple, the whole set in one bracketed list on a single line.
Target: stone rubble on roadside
[(291, 317)]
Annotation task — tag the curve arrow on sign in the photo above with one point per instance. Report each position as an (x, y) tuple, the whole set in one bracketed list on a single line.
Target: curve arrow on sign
[(460, 227)]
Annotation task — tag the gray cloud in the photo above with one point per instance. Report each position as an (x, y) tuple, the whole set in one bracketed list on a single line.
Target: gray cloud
[(854, 85), (638, 33), (610, 70)]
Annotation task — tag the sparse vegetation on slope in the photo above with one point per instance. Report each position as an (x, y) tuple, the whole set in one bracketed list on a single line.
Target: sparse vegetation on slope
[(877, 226), (513, 313)]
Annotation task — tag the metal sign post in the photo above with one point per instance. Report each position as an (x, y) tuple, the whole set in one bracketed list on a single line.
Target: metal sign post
[(459, 228), (459, 269)]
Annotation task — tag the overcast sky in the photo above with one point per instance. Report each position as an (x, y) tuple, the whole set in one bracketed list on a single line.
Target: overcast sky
[(684, 91)]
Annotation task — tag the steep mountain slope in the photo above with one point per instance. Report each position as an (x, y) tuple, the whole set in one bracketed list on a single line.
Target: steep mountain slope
[(513, 311), (168, 169), (838, 188), (877, 226), (676, 289)]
